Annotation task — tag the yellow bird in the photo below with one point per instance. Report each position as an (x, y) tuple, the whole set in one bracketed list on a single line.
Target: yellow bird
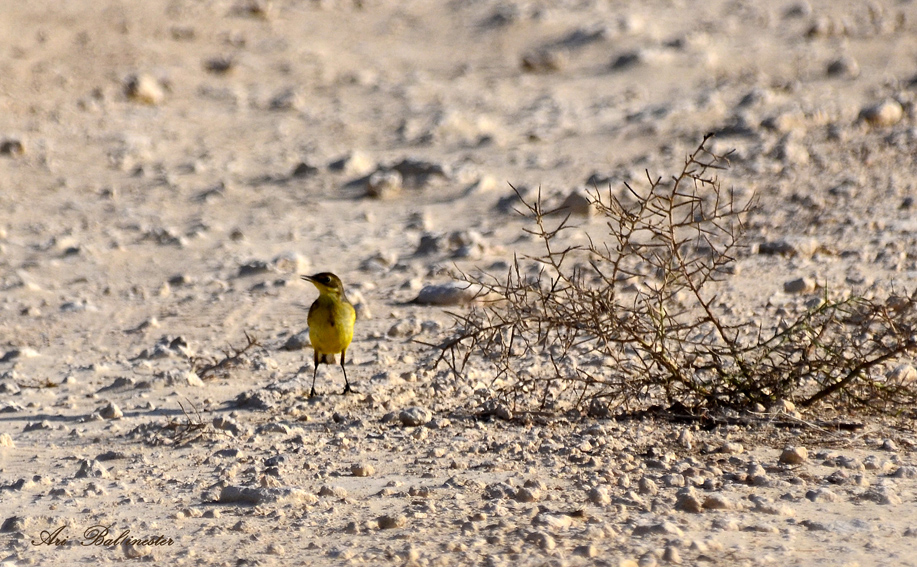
[(331, 320)]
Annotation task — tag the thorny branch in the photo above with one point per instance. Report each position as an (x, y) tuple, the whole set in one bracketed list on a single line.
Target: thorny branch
[(232, 357), (638, 308), (190, 429)]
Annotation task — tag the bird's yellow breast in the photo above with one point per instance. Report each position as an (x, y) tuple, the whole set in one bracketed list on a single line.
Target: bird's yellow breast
[(331, 322)]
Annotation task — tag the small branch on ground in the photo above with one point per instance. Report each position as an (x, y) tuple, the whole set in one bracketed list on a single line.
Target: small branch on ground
[(232, 357)]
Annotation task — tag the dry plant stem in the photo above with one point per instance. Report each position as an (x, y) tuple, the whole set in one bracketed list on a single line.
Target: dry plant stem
[(642, 301), (901, 330), (191, 425), (232, 357)]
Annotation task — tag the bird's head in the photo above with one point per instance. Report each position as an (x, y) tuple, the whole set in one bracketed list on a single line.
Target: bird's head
[(327, 283)]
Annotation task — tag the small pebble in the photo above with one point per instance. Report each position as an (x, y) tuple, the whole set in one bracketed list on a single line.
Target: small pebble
[(542, 540), (815, 526), (686, 439), (544, 61), (782, 406), (389, 522), (111, 411), (92, 469), (774, 509), (220, 65), (11, 147), (527, 495), (136, 551), (731, 448), (648, 560), (792, 247), (663, 528), (362, 469), (228, 424), (844, 66), (800, 285), (906, 471), (577, 202), (762, 528), (353, 164), (19, 353), (14, 524), (452, 293), (886, 113), (554, 522), (144, 89), (36, 426), (599, 495), (647, 486), (798, 10), (717, 501), (794, 455), (304, 169), (838, 477), (671, 555), (384, 184), (792, 153), (586, 551), (725, 524), (689, 501), (404, 328), (822, 495), (418, 172), (298, 341), (335, 491), (287, 98), (882, 495), (414, 416)]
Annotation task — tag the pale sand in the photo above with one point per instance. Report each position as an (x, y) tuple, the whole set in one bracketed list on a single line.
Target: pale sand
[(111, 198)]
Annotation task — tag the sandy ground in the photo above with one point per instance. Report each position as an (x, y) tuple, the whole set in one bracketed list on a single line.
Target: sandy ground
[(169, 168)]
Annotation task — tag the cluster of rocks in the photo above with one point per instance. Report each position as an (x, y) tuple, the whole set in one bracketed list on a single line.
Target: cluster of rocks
[(648, 493)]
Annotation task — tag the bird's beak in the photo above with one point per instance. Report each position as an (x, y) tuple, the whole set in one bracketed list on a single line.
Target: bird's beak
[(308, 279)]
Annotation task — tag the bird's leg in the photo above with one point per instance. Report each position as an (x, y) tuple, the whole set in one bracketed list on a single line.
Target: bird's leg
[(314, 374), (347, 387)]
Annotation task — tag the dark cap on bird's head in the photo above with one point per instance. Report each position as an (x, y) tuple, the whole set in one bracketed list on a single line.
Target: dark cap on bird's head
[(326, 282)]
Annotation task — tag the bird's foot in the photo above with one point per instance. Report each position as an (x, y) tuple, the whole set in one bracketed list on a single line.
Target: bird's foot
[(312, 393), (348, 390)]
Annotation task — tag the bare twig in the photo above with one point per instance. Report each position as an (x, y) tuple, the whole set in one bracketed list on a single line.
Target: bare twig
[(232, 357), (190, 429)]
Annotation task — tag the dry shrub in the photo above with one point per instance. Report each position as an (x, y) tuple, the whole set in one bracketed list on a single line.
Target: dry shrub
[(633, 320)]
